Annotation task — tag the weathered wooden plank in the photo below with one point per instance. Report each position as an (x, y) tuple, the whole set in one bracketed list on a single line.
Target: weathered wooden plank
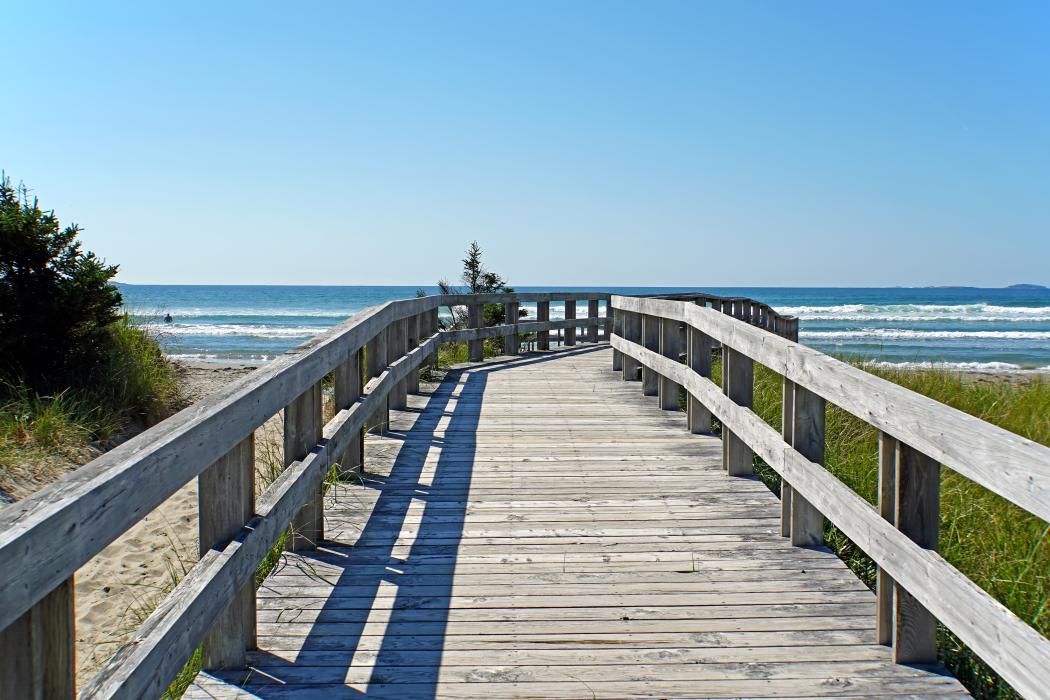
[(887, 505), (592, 315), (650, 339), (162, 644), (1016, 651), (670, 347), (570, 315), (37, 657), (303, 423), (348, 386), (738, 383), (916, 512), (699, 360), (226, 497), (807, 437)]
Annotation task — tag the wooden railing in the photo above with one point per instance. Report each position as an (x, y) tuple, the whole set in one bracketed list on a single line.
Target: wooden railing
[(916, 587), (375, 358)]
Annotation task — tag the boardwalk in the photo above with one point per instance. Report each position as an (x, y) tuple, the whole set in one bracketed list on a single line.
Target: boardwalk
[(537, 528)]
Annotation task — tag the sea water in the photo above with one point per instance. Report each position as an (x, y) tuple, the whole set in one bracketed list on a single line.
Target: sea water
[(966, 328)]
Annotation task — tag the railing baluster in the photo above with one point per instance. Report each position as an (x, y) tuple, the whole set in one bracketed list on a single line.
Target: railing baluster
[(632, 331), (348, 387), (671, 348), (807, 437), (375, 360), (476, 348), (738, 379), (543, 313), (614, 324), (917, 514), (887, 501), (511, 313), (787, 428), (303, 422), (226, 501), (592, 316), (397, 343), (651, 341), (698, 356), (415, 330), (37, 655), (570, 331)]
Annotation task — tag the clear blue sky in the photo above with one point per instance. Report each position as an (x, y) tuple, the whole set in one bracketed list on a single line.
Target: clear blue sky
[(696, 143)]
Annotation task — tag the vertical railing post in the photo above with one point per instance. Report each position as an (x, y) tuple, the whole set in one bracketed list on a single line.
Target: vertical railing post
[(543, 313), (887, 502), (651, 341), (698, 356), (614, 324), (348, 387), (738, 380), (632, 331), (37, 653), (671, 348), (511, 314), (807, 437), (787, 430), (917, 515), (415, 330), (226, 502), (303, 422), (375, 361), (570, 314), (476, 348), (396, 345), (592, 317)]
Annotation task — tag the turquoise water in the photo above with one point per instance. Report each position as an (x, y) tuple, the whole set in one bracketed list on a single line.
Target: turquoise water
[(992, 329)]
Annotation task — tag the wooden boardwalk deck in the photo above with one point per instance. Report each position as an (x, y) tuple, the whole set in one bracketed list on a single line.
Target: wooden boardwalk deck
[(537, 528)]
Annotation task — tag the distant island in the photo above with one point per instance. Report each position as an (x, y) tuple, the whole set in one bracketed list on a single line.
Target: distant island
[(1027, 286)]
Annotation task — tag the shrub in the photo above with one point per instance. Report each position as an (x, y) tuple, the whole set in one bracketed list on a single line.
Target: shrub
[(57, 302)]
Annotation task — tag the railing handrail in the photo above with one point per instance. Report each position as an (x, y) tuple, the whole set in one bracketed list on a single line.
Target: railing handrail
[(962, 442), (65, 524), (957, 440)]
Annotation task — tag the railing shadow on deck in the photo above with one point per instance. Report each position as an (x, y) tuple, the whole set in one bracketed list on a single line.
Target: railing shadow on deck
[(413, 631)]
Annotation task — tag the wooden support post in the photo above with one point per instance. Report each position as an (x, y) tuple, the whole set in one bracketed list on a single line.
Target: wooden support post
[(917, 514), (348, 388), (698, 356), (375, 361), (807, 437), (789, 329), (511, 343), (37, 654), (543, 313), (632, 330), (226, 502), (396, 345), (476, 348), (592, 315), (570, 331), (887, 504), (651, 341), (787, 429), (738, 378), (614, 324), (303, 422), (671, 348), (415, 330)]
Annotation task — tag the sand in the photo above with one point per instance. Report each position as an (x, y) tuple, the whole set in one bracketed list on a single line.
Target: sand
[(117, 589)]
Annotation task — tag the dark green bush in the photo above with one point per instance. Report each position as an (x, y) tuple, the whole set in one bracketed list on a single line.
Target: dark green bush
[(57, 302)]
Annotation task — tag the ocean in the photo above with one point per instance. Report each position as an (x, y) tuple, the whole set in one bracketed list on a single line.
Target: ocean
[(964, 328)]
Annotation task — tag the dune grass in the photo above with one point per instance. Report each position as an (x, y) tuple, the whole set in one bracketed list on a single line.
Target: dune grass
[(1001, 547), (43, 437)]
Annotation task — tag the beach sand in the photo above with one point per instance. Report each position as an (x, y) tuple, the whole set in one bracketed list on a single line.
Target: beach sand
[(117, 589)]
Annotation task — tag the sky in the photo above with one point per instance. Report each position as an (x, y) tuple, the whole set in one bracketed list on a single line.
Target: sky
[(605, 143)]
